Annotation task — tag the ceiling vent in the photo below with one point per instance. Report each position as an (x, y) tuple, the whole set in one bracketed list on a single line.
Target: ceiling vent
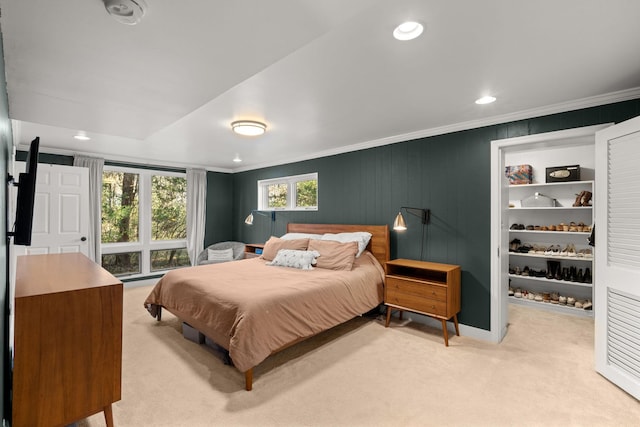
[(128, 12)]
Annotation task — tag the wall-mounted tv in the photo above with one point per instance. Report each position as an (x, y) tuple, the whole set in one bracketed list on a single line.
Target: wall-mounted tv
[(26, 196)]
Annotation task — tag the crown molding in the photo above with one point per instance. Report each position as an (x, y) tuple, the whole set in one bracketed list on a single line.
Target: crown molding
[(594, 101)]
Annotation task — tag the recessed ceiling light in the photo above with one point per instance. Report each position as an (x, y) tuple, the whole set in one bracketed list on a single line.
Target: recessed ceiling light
[(408, 30), (485, 100), (237, 158), (248, 127), (82, 136)]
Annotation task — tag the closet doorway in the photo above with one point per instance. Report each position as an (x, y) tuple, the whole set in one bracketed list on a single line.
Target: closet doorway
[(567, 147)]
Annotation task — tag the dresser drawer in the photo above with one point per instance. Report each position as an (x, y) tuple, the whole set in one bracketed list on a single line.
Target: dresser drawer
[(415, 302), (411, 287)]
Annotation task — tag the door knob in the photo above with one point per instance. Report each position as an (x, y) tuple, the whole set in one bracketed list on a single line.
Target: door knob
[(84, 239)]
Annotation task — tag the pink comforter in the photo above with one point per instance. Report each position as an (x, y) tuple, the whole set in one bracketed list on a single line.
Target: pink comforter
[(253, 310)]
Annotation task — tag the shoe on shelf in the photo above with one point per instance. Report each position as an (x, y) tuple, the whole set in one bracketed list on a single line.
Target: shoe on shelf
[(571, 301), (579, 198), (562, 300), (587, 276), (586, 198), (588, 305)]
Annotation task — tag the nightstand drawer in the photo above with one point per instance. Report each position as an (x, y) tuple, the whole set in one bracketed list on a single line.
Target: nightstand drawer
[(416, 302), (411, 287)]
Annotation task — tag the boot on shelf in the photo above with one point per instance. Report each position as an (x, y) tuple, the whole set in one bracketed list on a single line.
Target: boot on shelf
[(586, 198), (578, 201)]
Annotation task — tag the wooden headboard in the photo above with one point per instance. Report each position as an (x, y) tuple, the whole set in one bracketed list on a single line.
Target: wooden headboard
[(378, 245)]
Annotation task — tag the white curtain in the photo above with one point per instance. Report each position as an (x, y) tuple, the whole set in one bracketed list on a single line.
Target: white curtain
[(196, 211), (95, 166)]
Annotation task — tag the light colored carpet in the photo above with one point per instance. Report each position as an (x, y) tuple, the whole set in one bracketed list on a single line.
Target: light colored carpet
[(363, 374)]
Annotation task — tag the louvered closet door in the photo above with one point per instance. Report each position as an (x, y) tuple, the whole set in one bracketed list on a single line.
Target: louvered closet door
[(617, 255)]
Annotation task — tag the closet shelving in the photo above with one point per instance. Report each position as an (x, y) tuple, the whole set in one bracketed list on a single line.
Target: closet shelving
[(565, 194)]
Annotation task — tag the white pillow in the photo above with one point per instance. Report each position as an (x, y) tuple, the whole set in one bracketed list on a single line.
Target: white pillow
[(294, 236), (296, 259), (220, 255), (360, 237)]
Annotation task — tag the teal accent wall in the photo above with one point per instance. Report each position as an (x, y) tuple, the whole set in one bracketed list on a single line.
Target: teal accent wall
[(5, 150), (219, 225), (448, 174)]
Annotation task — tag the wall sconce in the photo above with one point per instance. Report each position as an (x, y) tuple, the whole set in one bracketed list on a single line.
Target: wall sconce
[(249, 219), (399, 223)]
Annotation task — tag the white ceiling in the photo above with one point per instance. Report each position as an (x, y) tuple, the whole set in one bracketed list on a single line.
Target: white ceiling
[(325, 76)]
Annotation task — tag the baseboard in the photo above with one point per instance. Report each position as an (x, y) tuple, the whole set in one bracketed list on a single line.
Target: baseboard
[(141, 282), (465, 330)]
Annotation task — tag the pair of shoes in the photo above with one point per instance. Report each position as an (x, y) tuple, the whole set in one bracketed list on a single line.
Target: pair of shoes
[(517, 227), (583, 199), (514, 245), (585, 253)]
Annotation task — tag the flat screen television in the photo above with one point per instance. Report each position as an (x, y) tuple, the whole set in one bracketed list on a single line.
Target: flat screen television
[(26, 197)]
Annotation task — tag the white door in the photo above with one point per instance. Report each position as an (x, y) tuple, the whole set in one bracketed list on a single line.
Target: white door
[(61, 210), (617, 255)]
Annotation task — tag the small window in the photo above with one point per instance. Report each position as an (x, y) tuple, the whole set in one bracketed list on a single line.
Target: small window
[(291, 193)]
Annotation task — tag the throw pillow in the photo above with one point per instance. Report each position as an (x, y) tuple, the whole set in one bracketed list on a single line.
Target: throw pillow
[(302, 260), (220, 255)]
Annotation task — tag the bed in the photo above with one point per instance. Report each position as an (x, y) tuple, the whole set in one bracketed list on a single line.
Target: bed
[(253, 310)]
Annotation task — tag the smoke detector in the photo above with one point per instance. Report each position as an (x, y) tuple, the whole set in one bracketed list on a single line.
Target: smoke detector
[(128, 12)]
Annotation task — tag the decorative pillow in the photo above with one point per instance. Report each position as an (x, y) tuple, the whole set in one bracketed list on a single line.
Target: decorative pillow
[(292, 236), (334, 255), (296, 259), (274, 244), (361, 237), (220, 255)]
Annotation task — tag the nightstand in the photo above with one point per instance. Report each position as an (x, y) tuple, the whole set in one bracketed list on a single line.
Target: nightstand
[(423, 287), (252, 250)]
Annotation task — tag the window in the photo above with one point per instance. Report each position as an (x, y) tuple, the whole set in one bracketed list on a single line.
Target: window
[(292, 193), (144, 221)]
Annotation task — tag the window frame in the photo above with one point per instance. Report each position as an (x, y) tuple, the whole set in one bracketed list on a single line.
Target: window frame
[(144, 245), (290, 182)]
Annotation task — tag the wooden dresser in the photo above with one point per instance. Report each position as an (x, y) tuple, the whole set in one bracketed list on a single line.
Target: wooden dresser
[(68, 340), (423, 287)]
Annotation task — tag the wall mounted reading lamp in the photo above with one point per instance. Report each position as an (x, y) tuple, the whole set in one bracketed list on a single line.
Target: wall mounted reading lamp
[(399, 223), (249, 219)]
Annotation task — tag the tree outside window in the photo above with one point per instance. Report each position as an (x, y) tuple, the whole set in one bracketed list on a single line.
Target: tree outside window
[(144, 221), (299, 192)]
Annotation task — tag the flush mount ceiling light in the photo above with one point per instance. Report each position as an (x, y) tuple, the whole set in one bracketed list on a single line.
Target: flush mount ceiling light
[(128, 12), (408, 30), (82, 136), (237, 158), (485, 100), (248, 127)]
